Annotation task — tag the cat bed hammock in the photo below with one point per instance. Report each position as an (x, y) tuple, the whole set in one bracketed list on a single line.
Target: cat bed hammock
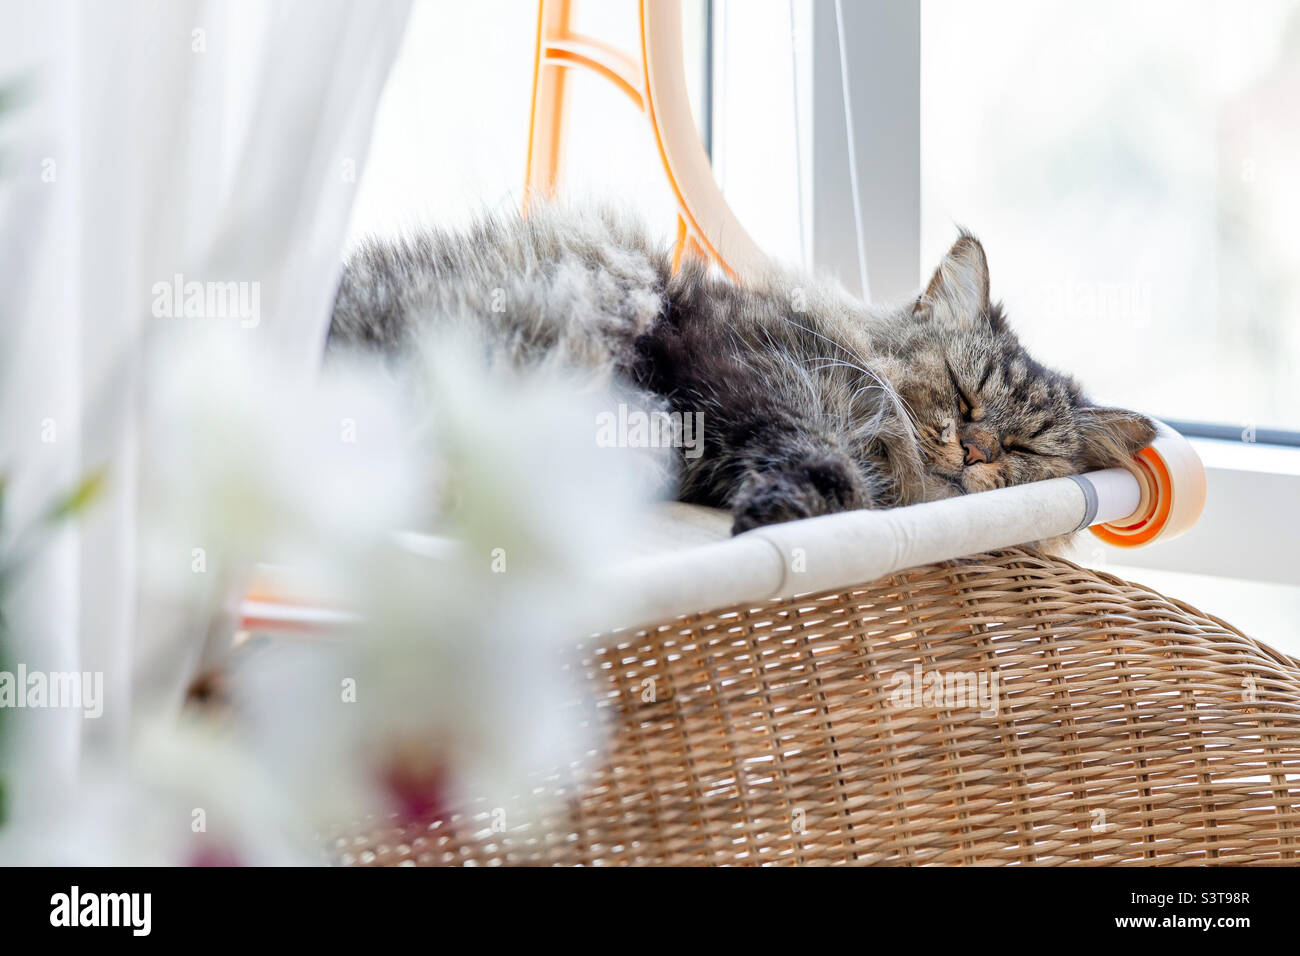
[(1129, 728), (860, 693), (749, 688)]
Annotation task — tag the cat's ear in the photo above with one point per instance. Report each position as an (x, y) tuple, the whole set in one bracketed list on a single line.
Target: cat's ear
[(1111, 436), (959, 289)]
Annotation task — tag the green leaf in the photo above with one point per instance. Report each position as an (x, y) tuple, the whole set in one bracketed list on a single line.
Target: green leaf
[(79, 498)]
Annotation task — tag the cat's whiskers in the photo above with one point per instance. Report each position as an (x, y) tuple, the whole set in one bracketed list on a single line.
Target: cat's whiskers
[(836, 363), (898, 401), (909, 416), (828, 340)]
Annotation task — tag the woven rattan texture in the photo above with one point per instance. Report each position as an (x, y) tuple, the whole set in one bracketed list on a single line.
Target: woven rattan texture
[(1129, 728)]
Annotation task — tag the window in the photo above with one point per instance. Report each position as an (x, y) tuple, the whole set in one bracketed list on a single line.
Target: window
[(1131, 169)]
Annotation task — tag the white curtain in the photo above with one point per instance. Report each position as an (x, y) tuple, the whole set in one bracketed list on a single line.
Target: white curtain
[(219, 141)]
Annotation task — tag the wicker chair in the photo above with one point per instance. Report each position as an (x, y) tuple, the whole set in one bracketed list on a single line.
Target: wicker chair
[(1130, 728)]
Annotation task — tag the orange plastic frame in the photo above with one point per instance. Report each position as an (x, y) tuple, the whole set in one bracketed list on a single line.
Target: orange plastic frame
[(1154, 516), (654, 79)]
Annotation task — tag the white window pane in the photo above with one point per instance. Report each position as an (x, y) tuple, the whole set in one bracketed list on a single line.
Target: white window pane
[(451, 135), (1131, 170), (756, 147)]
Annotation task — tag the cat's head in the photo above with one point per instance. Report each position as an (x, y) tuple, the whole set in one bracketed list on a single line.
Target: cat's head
[(986, 414)]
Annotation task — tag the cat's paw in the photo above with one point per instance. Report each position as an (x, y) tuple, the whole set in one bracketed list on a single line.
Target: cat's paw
[(794, 490)]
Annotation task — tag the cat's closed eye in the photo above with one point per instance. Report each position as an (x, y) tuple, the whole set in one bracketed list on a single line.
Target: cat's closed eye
[(1023, 442), (964, 404)]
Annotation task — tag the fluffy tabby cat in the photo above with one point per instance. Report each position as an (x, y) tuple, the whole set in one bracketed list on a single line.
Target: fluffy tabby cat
[(812, 401)]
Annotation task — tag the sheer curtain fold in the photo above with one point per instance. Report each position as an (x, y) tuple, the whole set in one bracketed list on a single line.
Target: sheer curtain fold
[(218, 141)]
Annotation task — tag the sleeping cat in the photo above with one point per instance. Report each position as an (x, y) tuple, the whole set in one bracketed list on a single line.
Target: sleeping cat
[(812, 401)]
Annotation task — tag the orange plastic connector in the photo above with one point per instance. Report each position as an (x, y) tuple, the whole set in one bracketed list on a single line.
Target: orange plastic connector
[(654, 79), (1173, 493)]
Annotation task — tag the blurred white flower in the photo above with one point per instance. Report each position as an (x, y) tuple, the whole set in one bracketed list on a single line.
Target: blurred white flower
[(250, 467), (190, 795), (453, 685), (457, 678)]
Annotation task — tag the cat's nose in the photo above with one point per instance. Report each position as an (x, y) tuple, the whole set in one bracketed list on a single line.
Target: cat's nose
[(975, 452)]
